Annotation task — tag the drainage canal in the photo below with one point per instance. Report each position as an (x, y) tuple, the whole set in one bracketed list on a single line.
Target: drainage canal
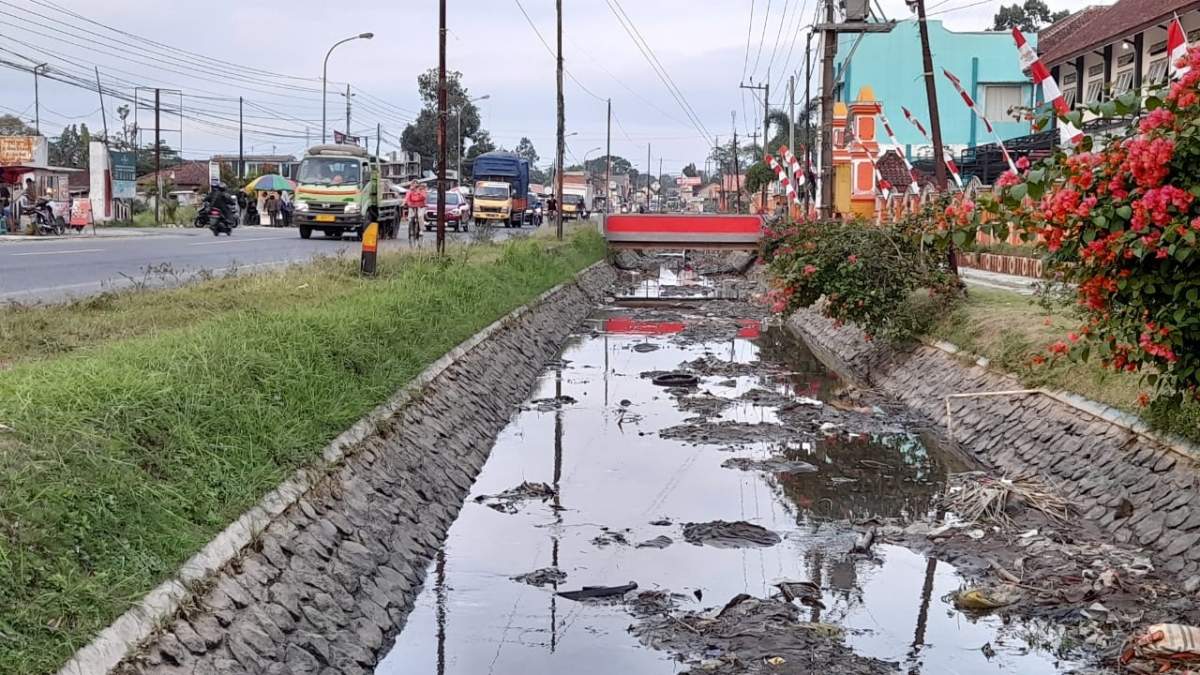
[(747, 482)]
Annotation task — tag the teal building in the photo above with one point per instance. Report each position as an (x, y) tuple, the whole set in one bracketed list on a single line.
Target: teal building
[(986, 62)]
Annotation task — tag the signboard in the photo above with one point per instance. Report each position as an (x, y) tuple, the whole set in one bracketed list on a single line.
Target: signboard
[(214, 173), (124, 174), (343, 139), (686, 181), (17, 150), (81, 212)]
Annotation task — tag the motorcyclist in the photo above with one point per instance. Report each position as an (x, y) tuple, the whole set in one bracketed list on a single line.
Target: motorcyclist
[(221, 200)]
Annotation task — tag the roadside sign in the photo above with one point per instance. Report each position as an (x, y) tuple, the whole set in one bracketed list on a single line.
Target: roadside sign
[(81, 212), (17, 150), (214, 173), (124, 174), (370, 248)]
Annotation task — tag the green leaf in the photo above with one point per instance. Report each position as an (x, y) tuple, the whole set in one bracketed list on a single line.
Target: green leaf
[(1153, 102), (1035, 176), (1089, 235), (1108, 109), (1182, 253), (1126, 212), (1018, 191), (1101, 221), (960, 238), (1180, 315), (1193, 295)]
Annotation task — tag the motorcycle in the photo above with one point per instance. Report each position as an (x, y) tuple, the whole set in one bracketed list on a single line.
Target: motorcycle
[(210, 216), (44, 220)]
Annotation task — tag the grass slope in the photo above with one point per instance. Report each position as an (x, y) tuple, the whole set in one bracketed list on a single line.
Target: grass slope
[(126, 457)]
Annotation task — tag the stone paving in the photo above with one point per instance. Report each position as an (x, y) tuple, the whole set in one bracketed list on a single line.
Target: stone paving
[(329, 584), (1141, 491)]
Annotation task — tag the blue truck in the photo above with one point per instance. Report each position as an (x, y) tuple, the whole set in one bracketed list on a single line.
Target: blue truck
[(501, 189)]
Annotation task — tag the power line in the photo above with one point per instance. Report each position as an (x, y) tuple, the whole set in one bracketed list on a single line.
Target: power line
[(553, 54), (749, 32), (779, 33), (955, 9), (761, 39)]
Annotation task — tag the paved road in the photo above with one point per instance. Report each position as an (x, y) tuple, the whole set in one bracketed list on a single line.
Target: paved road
[(51, 270)]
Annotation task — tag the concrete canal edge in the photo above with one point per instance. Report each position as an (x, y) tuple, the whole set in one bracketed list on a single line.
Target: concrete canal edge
[(326, 566), (1140, 487)]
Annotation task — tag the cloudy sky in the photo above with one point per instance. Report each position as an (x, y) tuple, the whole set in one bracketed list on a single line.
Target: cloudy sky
[(704, 46)]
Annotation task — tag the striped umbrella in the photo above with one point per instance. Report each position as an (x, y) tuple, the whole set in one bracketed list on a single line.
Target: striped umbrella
[(271, 183)]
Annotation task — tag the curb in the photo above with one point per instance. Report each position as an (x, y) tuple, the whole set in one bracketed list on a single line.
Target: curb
[(140, 622)]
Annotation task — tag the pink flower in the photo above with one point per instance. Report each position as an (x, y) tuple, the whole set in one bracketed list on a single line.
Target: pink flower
[(809, 270), (1023, 163), (853, 259)]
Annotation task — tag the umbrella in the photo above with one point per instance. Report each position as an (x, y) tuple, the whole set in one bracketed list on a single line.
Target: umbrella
[(271, 183)]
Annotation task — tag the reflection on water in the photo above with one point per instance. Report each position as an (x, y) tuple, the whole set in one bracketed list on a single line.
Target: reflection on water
[(613, 471)]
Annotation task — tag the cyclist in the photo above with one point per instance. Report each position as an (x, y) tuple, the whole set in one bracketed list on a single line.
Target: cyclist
[(415, 201)]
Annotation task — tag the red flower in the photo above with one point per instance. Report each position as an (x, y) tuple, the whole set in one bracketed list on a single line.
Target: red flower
[(1059, 348), (1038, 359), (1143, 399), (1073, 337), (1023, 163), (853, 259), (809, 270)]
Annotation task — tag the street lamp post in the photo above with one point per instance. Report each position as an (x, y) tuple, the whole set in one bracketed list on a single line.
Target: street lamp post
[(325, 77), (459, 148)]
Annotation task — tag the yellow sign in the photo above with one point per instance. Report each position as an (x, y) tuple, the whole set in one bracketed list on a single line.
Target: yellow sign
[(17, 150), (325, 218)]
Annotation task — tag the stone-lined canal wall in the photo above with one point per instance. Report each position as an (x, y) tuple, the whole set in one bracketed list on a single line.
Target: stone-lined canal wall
[(1140, 490), (331, 579)]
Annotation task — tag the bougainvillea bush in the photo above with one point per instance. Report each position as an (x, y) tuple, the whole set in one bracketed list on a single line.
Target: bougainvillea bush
[(866, 273), (1119, 217)]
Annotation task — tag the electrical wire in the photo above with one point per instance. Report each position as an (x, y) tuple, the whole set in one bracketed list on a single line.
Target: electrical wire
[(761, 39), (778, 33), (749, 33)]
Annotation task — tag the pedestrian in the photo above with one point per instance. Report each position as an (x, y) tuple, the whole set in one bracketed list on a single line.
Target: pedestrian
[(551, 205), (251, 211), (285, 209), (273, 209)]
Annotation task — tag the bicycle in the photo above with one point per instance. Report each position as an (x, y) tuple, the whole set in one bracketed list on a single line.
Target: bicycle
[(414, 227)]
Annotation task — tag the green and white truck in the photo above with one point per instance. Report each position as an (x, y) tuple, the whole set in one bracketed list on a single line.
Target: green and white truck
[(339, 189)]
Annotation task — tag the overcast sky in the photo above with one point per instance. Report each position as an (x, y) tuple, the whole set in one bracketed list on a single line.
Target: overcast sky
[(702, 44)]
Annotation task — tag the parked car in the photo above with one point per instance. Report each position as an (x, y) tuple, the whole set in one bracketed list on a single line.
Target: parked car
[(456, 208)]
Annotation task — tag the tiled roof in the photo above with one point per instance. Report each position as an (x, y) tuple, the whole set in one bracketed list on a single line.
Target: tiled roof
[(891, 167), (187, 173), (1097, 26)]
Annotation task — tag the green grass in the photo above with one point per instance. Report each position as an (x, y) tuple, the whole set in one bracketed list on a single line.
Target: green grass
[(1010, 329), (128, 455)]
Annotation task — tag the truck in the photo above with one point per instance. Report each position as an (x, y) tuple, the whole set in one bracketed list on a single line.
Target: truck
[(501, 190), (339, 189), (577, 195)]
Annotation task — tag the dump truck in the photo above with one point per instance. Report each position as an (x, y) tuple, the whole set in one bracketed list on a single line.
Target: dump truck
[(501, 190), (577, 195), (338, 190)]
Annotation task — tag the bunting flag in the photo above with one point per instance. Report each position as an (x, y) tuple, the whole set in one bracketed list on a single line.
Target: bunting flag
[(887, 128), (958, 86), (793, 164), (947, 158), (1177, 48), (783, 179), (1050, 91)]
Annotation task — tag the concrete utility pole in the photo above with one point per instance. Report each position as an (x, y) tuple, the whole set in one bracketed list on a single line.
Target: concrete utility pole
[(241, 142), (441, 132), (562, 128), (157, 156), (647, 177), (37, 102), (830, 38), (608, 169), (103, 115), (348, 110), (737, 169), (810, 189), (766, 89), (792, 112), (660, 199), (935, 122)]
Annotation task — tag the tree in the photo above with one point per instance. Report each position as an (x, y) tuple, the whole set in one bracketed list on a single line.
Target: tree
[(145, 158), (421, 135), (757, 176), (70, 149), (526, 150), (690, 170), (483, 144), (11, 125), (1030, 16)]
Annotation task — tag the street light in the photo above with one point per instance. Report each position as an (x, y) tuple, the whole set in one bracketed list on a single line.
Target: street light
[(325, 76), (458, 148)]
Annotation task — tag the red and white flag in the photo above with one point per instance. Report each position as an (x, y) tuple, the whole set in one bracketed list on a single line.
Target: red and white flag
[(783, 179), (887, 128), (947, 158), (793, 164), (982, 118), (1050, 91), (1177, 49)]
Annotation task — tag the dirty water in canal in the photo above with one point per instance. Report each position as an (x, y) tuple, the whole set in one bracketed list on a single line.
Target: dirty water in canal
[(606, 479)]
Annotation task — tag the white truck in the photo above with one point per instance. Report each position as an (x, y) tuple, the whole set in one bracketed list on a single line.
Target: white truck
[(577, 195)]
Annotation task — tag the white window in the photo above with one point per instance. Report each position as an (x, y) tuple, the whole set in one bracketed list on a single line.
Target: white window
[(998, 99), (1095, 92), (1069, 96), (1157, 73), (1123, 83)]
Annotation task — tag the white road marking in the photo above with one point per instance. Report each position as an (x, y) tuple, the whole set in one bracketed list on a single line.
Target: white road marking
[(231, 240), (75, 250)]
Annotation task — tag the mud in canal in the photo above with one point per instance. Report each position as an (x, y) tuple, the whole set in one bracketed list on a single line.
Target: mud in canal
[(705, 524)]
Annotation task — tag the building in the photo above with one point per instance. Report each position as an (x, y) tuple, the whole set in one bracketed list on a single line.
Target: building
[(190, 178), (257, 165), (986, 62), (1105, 51), (402, 167)]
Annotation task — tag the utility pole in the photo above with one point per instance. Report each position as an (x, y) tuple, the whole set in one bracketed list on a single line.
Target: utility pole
[(347, 109), (766, 89), (737, 169), (103, 115), (660, 199), (241, 142), (647, 177), (157, 157), (441, 133), (935, 122), (808, 119), (792, 112), (830, 37), (608, 168), (37, 104), (562, 127)]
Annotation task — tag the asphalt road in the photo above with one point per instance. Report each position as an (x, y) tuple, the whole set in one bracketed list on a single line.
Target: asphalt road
[(39, 270)]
